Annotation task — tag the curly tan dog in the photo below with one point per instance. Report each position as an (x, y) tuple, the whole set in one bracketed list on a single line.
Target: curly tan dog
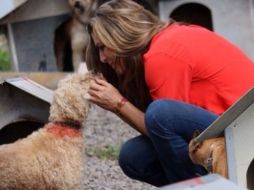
[(52, 157), (210, 154)]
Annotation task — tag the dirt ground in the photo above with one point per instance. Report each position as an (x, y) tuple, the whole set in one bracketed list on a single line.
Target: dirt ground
[(104, 129)]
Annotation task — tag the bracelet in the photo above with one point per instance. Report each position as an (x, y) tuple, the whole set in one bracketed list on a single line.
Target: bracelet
[(120, 104)]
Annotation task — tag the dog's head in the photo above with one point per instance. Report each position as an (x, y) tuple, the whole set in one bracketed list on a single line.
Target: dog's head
[(83, 9), (70, 104), (199, 152), (213, 149)]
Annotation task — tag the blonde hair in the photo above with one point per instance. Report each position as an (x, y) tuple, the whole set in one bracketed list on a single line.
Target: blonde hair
[(126, 28)]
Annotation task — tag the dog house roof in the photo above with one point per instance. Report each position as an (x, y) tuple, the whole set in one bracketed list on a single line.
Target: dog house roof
[(222, 122), (23, 99), (7, 6), (31, 87)]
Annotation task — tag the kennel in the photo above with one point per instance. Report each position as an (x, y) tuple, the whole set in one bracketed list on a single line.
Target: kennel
[(237, 123), (24, 107)]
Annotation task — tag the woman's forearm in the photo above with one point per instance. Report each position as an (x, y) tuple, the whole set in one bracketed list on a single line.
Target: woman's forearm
[(133, 116)]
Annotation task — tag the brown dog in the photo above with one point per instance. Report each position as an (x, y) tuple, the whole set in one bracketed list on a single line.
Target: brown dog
[(82, 10), (71, 37), (210, 154)]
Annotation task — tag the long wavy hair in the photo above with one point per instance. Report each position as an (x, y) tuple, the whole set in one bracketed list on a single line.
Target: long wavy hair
[(126, 28)]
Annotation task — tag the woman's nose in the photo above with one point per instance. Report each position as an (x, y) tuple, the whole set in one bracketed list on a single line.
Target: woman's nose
[(103, 58)]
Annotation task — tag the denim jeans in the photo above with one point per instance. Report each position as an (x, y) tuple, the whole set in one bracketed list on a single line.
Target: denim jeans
[(162, 157)]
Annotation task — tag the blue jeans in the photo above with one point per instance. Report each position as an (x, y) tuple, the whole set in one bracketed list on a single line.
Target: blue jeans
[(162, 158)]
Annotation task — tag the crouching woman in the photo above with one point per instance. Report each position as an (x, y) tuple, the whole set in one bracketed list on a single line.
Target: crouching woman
[(166, 80)]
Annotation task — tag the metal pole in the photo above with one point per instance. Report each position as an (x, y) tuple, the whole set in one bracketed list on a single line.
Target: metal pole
[(15, 65)]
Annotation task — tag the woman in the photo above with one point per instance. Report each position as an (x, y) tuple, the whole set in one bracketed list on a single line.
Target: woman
[(166, 80)]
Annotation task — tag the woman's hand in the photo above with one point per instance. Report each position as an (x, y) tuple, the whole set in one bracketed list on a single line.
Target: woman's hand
[(104, 94), (107, 96)]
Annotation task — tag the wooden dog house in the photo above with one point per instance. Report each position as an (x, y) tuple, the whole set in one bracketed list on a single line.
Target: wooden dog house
[(24, 107)]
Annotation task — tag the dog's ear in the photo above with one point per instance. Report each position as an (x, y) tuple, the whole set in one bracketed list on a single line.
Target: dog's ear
[(193, 145), (196, 133)]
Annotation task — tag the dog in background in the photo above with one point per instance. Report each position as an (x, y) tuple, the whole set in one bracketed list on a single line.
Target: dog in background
[(211, 154), (71, 36)]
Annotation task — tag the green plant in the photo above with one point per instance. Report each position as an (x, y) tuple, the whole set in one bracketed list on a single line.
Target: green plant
[(109, 152), (5, 63)]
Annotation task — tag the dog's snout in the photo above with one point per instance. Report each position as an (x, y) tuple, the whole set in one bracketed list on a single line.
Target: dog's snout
[(77, 4)]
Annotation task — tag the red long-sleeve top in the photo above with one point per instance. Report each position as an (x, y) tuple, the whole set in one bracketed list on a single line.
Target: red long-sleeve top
[(197, 66)]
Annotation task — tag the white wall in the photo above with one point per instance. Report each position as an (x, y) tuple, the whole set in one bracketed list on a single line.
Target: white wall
[(232, 19)]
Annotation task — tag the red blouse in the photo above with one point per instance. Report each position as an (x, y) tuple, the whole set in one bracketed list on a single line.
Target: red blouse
[(192, 64)]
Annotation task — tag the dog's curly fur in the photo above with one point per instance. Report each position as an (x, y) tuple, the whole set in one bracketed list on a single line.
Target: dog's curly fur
[(52, 157)]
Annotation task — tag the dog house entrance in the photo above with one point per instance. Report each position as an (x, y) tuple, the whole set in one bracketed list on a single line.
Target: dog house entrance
[(17, 130), (250, 176), (24, 108)]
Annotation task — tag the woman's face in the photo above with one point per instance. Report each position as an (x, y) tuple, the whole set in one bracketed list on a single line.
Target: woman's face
[(107, 55)]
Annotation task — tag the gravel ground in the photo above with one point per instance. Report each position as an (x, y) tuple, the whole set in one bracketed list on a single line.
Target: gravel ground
[(103, 128)]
